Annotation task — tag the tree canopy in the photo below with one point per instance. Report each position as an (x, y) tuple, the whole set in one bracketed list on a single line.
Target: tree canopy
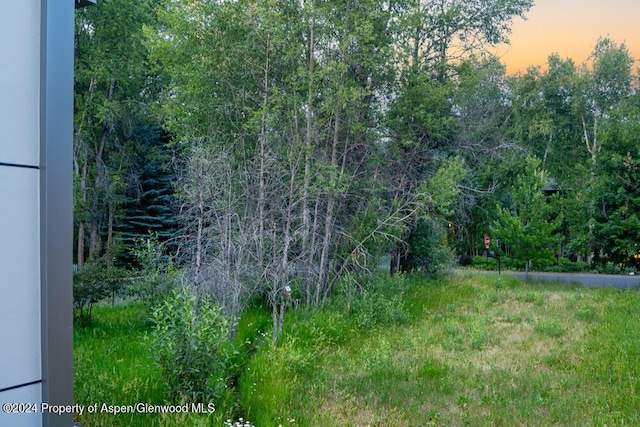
[(275, 145)]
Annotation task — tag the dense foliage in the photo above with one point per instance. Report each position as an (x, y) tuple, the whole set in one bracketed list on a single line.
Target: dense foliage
[(274, 147), (232, 156), (188, 343), (529, 226)]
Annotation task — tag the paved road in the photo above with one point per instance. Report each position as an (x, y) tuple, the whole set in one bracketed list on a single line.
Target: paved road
[(584, 279)]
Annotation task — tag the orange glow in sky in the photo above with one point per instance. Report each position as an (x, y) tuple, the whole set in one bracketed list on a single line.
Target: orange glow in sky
[(570, 28)]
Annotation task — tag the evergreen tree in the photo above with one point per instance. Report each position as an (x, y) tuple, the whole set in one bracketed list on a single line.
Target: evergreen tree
[(149, 205), (528, 226)]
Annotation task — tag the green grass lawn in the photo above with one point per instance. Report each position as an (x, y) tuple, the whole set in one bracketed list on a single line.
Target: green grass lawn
[(111, 362), (113, 365), (464, 350)]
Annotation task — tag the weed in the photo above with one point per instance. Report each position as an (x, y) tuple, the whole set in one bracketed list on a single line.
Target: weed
[(433, 369), (374, 309), (586, 313), (550, 327), (469, 353), (188, 342), (112, 365)]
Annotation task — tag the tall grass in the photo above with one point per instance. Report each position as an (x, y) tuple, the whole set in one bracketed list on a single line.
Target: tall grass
[(463, 350), (476, 350), (113, 365)]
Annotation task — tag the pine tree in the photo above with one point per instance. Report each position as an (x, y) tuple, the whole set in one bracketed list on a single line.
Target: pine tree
[(528, 227)]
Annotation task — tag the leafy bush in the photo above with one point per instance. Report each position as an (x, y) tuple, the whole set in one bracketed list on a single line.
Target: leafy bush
[(189, 341), (429, 251), (154, 287), (609, 268), (484, 263), (566, 265), (158, 275), (95, 282)]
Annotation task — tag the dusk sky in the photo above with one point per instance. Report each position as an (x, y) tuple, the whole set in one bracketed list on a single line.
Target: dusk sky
[(571, 29)]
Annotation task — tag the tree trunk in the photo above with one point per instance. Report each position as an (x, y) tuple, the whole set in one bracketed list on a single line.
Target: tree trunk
[(329, 217), (261, 172), (200, 224), (110, 230), (274, 318), (94, 232), (82, 223), (306, 213), (311, 254), (593, 149)]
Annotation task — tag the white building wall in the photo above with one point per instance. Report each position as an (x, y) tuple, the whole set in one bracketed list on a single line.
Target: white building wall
[(20, 81), (20, 278), (30, 393), (20, 306)]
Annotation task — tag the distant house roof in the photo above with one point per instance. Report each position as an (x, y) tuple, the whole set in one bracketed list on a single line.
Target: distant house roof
[(551, 186)]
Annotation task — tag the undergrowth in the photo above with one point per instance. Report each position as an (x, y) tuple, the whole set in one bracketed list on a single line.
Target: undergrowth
[(466, 349), (463, 350)]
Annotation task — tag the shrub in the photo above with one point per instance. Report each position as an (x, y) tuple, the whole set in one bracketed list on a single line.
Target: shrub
[(95, 282), (569, 266), (428, 251), (609, 268), (188, 342), (483, 263), (153, 287), (158, 275), (374, 309)]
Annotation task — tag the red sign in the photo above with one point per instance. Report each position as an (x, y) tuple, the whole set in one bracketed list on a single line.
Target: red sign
[(487, 241)]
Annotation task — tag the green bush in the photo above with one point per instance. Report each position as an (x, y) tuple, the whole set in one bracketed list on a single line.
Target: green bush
[(94, 283), (429, 251), (153, 288), (368, 301), (569, 266), (189, 342), (484, 263), (609, 268), (158, 275)]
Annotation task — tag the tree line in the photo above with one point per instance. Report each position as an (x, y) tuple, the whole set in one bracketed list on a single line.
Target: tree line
[(282, 145)]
